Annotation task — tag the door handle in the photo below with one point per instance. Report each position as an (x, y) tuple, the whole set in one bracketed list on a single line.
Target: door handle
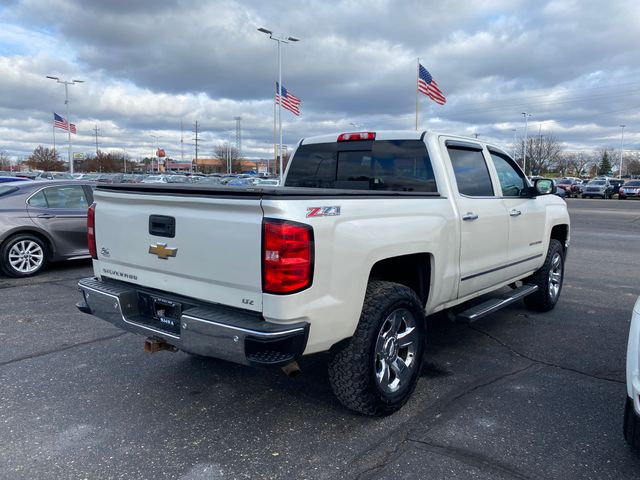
[(514, 213), (470, 216), (46, 215)]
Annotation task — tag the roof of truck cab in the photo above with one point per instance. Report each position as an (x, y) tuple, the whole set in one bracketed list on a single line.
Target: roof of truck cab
[(380, 135)]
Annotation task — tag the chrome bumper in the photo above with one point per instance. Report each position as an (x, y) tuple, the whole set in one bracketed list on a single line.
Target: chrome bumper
[(205, 329)]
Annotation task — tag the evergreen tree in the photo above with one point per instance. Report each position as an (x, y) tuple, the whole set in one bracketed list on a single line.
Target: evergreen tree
[(605, 165)]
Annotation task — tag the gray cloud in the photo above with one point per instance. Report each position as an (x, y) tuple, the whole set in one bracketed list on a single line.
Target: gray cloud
[(149, 65)]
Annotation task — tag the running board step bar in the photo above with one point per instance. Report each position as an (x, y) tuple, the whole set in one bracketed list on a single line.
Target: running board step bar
[(495, 304)]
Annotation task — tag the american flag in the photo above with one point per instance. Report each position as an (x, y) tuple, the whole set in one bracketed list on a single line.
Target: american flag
[(60, 122), (289, 101), (428, 86)]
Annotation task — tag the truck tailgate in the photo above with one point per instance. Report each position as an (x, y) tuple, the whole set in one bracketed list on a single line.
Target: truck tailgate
[(217, 242)]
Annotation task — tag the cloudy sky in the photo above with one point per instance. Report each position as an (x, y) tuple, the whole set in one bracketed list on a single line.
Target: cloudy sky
[(149, 65)]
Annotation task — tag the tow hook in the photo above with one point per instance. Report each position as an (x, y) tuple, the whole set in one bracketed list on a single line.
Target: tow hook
[(155, 344), (291, 369)]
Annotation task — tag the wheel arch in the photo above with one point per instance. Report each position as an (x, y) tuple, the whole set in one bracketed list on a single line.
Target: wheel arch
[(412, 270), (561, 233), (45, 237)]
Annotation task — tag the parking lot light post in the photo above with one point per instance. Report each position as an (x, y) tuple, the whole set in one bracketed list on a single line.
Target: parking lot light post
[(524, 154), (621, 148), (280, 39), (66, 84)]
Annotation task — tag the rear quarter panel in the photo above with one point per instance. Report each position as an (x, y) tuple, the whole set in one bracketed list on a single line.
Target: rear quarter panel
[(346, 248)]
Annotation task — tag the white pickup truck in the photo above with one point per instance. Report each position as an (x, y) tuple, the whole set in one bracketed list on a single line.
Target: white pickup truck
[(371, 233)]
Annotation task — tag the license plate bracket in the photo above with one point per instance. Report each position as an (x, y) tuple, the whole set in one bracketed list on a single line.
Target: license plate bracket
[(160, 313)]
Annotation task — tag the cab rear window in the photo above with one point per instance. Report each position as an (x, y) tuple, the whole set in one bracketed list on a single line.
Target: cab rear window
[(391, 165)]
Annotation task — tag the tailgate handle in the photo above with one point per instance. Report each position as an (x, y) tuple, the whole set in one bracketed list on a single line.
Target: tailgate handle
[(162, 226)]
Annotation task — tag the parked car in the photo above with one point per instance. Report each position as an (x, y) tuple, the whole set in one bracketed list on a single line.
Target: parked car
[(598, 188), (54, 176), (570, 186), (616, 183), (11, 179), (630, 189), (632, 408), (155, 179), (561, 192), (42, 222)]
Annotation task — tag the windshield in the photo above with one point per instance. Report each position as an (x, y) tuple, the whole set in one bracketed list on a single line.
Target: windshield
[(632, 184), (598, 182)]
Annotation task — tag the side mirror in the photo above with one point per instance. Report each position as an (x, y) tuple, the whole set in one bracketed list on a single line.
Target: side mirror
[(544, 186)]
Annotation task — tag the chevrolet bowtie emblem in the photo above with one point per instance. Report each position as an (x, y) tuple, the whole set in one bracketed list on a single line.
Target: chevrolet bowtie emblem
[(162, 251)]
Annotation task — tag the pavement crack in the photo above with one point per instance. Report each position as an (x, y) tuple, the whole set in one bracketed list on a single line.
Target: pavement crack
[(542, 362), (60, 349), (400, 435), (473, 459)]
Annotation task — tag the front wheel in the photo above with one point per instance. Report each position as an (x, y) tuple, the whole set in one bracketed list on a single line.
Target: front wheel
[(377, 371), (23, 256), (548, 279)]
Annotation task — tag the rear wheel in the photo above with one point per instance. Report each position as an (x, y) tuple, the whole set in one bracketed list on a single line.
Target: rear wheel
[(548, 279), (23, 255), (631, 425), (377, 371)]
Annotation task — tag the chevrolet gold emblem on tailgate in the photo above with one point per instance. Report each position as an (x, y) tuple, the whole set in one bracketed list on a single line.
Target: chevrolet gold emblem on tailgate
[(162, 251)]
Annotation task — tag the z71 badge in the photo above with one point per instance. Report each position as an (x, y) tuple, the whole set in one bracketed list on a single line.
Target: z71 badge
[(323, 211)]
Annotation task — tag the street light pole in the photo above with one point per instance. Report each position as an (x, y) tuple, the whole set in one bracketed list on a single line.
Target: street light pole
[(621, 147), (66, 84), (280, 40), (524, 155), (514, 130)]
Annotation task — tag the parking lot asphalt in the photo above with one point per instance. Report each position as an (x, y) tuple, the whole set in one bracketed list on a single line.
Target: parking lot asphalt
[(516, 395)]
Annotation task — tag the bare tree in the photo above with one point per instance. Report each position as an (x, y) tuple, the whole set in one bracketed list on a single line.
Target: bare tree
[(224, 153), (5, 163), (543, 152), (44, 158)]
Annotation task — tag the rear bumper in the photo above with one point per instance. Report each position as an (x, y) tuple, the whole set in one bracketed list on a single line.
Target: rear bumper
[(205, 329)]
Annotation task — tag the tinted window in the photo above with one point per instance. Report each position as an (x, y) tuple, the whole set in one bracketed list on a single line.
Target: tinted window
[(38, 200), (512, 181), (393, 165), (471, 172), (71, 196)]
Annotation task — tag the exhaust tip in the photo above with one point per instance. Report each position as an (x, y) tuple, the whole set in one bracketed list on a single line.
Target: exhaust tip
[(291, 369)]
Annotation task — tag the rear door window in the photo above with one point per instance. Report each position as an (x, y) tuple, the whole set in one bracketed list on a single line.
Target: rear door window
[(470, 170), (391, 165)]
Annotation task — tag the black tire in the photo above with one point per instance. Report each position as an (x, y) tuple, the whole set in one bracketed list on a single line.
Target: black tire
[(36, 251), (549, 284), (357, 371), (631, 427)]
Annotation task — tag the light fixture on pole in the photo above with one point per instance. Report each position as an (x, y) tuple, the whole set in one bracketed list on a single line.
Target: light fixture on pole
[(280, 39), (66, 84), (524, 155), (621, 147)]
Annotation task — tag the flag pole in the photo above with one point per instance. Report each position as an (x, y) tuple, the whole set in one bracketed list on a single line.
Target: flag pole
[(417, 92), (54, 134), (275, 138)]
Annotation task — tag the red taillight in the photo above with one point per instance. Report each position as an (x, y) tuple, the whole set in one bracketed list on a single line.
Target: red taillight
[(287, 256), (350, 137), (91, 231)]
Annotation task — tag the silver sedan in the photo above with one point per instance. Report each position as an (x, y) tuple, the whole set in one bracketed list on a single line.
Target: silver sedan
[(42, 222)]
